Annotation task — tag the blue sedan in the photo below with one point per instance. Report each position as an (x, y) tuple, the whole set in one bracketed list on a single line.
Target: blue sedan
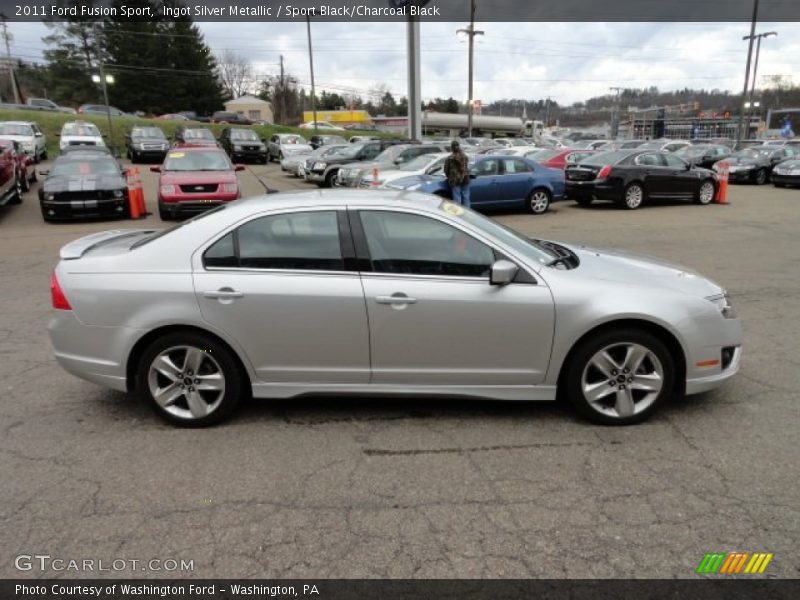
[(498, 181)]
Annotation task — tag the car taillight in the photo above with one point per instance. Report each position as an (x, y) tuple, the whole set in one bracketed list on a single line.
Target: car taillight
[(167, 190), (604, 172), (57, 294), (229, 188)]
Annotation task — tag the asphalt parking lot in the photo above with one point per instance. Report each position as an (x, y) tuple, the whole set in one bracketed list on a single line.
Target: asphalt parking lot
[(417, 488)]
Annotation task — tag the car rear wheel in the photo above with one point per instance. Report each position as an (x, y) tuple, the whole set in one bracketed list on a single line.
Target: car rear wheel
[(633, 196), (538, 201), (705, 193), (190, 379), (619, 377), (761, 177)]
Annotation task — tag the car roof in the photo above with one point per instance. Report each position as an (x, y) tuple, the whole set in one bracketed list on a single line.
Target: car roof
[(338, 198)]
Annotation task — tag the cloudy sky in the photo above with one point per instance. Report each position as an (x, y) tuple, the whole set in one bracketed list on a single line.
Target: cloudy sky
[(567, 61)]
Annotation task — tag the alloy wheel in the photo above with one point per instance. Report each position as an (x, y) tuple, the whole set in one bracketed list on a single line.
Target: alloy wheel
[(622, 380), (633, 196), (539, 202), (706, 193), (186, 382)]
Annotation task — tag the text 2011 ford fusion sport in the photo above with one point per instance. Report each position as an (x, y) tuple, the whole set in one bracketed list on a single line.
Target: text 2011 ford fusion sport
[(381, 293)]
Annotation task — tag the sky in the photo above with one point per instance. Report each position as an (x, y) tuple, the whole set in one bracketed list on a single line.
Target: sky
[(569, 62)]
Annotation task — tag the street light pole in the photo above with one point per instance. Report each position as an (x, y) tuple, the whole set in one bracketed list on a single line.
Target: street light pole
[(615, 114), (471, 32), (103, 82), (751, 37), (311, 65), (760, 36)]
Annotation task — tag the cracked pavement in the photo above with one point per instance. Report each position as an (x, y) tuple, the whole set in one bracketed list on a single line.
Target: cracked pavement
[(334, 487)]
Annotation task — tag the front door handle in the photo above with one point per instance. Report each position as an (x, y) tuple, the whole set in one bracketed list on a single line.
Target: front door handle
[(395, 299), (223, 294)]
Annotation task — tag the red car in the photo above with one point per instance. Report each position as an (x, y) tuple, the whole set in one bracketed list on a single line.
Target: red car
[(25, 171), (561, 158), (195, 179)]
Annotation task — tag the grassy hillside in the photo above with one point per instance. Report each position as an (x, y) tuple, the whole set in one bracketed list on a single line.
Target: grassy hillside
[(51, 124)]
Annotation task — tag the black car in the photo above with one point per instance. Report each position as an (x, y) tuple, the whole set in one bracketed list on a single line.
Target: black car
[(146, 143), (786, 173), (317, 141), (631, 178), (243, 145), (84, 184), (754, 165), (703, 155)]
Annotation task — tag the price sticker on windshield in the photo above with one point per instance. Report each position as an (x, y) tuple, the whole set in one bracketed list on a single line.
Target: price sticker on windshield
[(454, 209), (177, 154)]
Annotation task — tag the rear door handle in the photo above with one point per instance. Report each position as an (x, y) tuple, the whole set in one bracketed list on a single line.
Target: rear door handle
[(223, 293), (395, 299)]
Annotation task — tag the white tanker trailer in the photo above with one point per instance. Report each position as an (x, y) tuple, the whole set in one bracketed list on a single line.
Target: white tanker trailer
[(457, 124)]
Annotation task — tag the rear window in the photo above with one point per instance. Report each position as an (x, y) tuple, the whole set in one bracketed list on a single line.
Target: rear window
[(605, 158), (211, 160)]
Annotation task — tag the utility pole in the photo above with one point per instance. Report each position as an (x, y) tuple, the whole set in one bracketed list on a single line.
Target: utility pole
[(7, 37), (751, 37), (414, 81), (615, 112), (311, 64), (103, 83), (283, 94), (547, 112), (759, 37), (471, 32)]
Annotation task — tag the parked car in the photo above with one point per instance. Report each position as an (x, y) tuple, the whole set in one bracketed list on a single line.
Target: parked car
[(287, 144), (10, 184), (193, 116), (350, 175), (100, 109), (46, 104), (561, 158), (243, 145), (25, 171), (194, 179), (83, 184), (146, 143), (664, 145), (248, 310), (703, 155), (295, 163), (193, 136), (173, 117), (324, 172), (325, 140), (425, 164), (498, 182), (320, 125), (229, 118), (755, 164), (786, 173), (633, 178), (80, 133), (28, 134), (515, 151)]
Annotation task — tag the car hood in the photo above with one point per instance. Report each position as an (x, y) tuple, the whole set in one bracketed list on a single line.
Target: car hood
[(83, 183), (186, 177), (149, 140), (640, 269)]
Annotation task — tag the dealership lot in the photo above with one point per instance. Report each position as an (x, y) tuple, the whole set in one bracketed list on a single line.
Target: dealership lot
[(418, 488)]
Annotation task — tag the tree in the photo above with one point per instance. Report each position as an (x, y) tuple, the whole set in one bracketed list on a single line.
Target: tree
[(235, 73)]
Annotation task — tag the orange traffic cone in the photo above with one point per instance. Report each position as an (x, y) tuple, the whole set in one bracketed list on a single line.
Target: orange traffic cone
[(722, 188)]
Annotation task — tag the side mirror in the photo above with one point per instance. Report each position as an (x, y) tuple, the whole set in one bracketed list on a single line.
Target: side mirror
[(155, 169), (503, 272), (239, 168)]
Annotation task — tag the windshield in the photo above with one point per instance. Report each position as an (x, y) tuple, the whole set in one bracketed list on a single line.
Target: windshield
[(244, 135), (87, 129), (753, 153), (333, 139), (206, 160), (350, 151), (148, 132), (292, 139), (419, 163), (73, 167), (390, 154), (330, 150), (519, 243), (15, 129), (198, 134)]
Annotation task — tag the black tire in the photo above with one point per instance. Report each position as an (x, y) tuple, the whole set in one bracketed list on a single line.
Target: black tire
[(761, 177), (164, 213), (627, 201), (538, 201), (44, 155), (263, 160), (16, 198), (330, 178), (701, 196), (216, 356), (134, 158), (571, 384), (583, 200)]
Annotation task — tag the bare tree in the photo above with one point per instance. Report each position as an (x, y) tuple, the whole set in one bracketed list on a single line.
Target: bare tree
[(235, 73)]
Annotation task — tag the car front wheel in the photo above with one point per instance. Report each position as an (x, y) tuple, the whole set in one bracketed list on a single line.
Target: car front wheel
[(190, 379), (619, 377), (706, 191), (761, 177), (633, 196), (538, 201)]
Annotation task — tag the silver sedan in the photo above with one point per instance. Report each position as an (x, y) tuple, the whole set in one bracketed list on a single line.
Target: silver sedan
[(381, 293)]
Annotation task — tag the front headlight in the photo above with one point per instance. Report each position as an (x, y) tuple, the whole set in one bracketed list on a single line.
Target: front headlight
[(320, 165), (723, 303), (237, 148), (49, 197)]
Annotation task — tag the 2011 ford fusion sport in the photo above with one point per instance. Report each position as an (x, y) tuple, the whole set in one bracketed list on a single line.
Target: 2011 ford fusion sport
[(381, 293)]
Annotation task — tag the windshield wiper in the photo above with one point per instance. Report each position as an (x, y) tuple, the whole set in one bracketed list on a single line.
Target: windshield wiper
[(564, 260)]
